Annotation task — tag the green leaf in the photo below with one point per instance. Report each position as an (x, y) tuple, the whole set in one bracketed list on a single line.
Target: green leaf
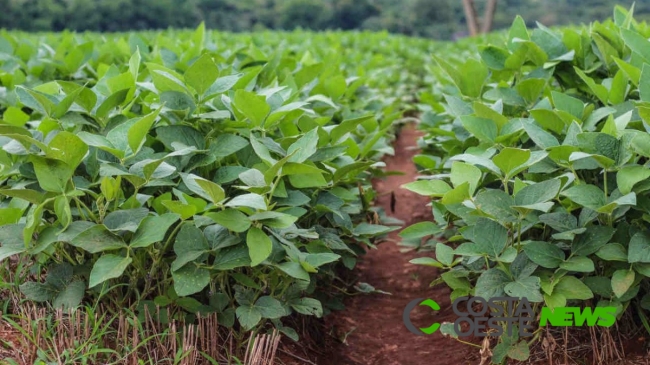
[(68, 148), (538, 193), (125, 220), (97, 239), (307, 306), (182, 134), (190, 244), (37, 292), (232, 258), (254, 201), (465, 173), (528, 287), (636, 42), (510, 160), (295, 270), (520, 351), (488, 237), (365, 229), (304, 148), (15, 116), (592, 240), (138, 131), (190, 279), (491, 284), (259, 245), (420, 230), (639, 248), (566, 103), (253, 106), (629, 176), (622, 281), (485, 130), (320, 259), (572, 288), (613, 252), (53, 175), (185, 211), (578, 264), (270, 307), (427, 261), (431, 188), (248, 316), (70, 296), (108, 267), (232, 219), (544, 254), (589, 196), (444, 254), (202, 74), (112, 102), (153, 229)]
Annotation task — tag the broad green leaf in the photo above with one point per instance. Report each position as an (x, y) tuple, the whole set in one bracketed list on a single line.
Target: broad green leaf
[(427, 261), (248, 316), (232, 219), (622, 281), (53, 175), (485, 130), (259, 245), (189, 245), (232, 258), (629, 176), (538, 193), (138, 131), (592, 240), (589, 196), (420, 230), (153, 229), (270, 307), (185, 211), (510, 160), (578, 264), (253, 106), (431, 188), (98, 239), (520, 351), (492, 283), (572, 288), (444, 254), (70, 296), (190, 279), (544, 254), (528, 287), (202, 74), (639, 248), (465, 173), (613, 252), (307, 306), (126, 219), (304, 148), (254, 201), (295, 270), (108, 267)]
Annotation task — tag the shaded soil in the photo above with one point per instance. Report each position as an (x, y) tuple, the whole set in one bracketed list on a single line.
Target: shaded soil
[(372, 325)]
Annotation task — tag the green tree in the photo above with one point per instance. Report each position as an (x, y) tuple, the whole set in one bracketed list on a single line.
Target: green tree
[(309, 14)]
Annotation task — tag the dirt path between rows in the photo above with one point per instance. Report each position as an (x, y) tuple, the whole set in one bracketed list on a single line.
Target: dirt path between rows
[(378, 335)]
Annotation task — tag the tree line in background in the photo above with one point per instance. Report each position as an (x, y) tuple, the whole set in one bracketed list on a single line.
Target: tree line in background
[(427, 18)]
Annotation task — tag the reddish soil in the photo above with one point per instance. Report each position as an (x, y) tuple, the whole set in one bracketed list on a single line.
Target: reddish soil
[(374, 322)]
